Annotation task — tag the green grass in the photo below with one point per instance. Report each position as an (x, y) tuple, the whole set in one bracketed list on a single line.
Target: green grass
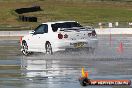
[(84, 11)]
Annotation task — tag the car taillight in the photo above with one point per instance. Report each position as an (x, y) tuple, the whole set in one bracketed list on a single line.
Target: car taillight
[(60, 36), (93, 33), (89, 34), (65, 36)]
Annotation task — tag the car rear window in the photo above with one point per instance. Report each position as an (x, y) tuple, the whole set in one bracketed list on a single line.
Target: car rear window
[(64, 25)]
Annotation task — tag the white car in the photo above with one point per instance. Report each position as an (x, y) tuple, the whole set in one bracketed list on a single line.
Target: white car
[(59, 36)]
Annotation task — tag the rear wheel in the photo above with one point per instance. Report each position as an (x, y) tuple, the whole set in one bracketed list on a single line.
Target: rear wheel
[(48, 48), (25, 48)]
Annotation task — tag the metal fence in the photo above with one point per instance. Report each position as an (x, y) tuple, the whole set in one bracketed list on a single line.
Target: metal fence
[(109, 24)]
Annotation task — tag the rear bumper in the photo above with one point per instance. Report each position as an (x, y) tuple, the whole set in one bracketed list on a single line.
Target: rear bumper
[(63, 45)]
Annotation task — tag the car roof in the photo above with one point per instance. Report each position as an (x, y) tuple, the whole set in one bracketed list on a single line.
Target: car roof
[(57, 22)]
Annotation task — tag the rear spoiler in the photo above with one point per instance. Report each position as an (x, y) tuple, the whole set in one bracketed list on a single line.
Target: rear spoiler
[(87, 28)]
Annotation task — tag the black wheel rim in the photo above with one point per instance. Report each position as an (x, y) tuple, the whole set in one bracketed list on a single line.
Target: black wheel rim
[(48, 48), (25, 48)]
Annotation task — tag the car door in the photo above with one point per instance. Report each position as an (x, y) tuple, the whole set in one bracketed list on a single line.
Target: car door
[(35, 38), (43, 38)]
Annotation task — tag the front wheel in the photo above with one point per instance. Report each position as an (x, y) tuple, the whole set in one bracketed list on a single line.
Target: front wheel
[(25, 48), (48, 48)]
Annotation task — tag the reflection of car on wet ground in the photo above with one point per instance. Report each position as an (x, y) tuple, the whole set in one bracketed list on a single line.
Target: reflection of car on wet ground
[(59, 36)]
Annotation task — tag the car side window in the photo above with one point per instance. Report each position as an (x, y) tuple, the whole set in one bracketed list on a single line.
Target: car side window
[(45, 28), (54, 27), (41, 29)]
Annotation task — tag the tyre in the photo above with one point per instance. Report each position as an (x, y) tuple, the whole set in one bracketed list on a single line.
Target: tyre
[(25, 49), (48, 48), (84, 81)]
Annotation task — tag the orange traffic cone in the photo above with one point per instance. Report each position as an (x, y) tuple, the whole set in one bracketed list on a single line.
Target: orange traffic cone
[(84, 74), (20, 39), (120, 48)]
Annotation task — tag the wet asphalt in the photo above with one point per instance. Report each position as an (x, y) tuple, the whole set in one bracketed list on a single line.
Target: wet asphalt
[(111, 60)]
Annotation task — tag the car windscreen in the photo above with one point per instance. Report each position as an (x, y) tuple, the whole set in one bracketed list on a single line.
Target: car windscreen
[(64, 25)]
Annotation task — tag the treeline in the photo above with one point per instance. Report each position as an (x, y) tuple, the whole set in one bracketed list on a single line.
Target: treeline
[(97, 0), (117, 0)]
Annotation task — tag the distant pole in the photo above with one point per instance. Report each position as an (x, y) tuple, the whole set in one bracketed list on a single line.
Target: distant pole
[(116, 24), (100, 25), (110, 38), (110, 26)]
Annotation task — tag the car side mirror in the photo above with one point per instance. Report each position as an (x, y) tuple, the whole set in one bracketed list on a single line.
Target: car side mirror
[(31, 32)]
